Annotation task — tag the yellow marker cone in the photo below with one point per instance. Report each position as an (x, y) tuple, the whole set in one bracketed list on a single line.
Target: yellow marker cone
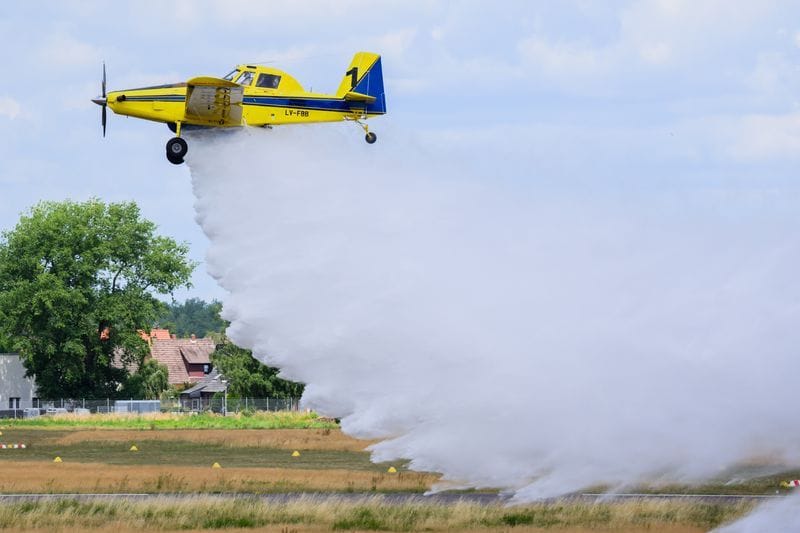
[(295, 454), (215, 465), (57, 459), (392, 470), (134, 448)]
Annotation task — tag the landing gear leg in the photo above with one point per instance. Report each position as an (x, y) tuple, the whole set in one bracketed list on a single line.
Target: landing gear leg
[(370, 137), (177, 147)]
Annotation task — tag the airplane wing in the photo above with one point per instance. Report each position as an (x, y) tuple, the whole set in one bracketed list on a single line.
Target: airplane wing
[(215, 101)]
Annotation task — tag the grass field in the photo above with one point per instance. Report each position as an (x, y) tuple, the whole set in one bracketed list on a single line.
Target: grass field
[(374, 514), (175, 454), (257, 420), (179, 461)]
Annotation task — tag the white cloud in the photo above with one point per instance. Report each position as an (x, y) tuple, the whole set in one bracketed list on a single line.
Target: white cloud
[(656, 54), (9, 107), (397, 42), (759, 137), (560, 57), (407, 85), (62, 50), (287, 56), (797, 39)]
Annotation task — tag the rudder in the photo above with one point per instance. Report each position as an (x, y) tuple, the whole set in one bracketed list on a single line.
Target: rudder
[(364, 76)]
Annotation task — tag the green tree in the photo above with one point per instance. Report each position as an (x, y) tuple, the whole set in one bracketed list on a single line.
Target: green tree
[(148, 382), (5, 344), (77, 280), (193, 316), (249, 377)]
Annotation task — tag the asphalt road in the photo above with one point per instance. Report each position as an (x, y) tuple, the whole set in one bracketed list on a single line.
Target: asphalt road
[(442, 498)]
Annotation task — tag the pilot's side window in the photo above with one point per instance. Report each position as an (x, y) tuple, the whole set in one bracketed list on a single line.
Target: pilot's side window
[(245, 79), (268, 81), (231, 74)]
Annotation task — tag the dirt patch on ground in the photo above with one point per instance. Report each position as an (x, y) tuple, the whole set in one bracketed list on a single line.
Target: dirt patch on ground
[(288, 439), (39, 477)]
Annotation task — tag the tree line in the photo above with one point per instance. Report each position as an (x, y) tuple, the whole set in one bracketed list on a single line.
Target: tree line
[(78, 280)]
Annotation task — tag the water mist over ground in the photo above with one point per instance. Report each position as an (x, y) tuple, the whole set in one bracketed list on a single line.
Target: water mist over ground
[(506, 334)]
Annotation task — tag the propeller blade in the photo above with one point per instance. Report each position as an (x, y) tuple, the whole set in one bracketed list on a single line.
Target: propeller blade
[(104, 120), (104, 79)]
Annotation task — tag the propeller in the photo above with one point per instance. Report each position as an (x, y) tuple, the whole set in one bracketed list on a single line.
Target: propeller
[(102, 101)]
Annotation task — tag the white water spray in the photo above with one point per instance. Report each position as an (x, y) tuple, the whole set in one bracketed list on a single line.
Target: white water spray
[(539, 340)]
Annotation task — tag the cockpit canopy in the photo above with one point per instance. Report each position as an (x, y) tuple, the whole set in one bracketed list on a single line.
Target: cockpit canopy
[(245, 77)]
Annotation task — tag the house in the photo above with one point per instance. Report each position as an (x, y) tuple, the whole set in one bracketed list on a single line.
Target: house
[(199, 397), (16, 390), (187, 360)]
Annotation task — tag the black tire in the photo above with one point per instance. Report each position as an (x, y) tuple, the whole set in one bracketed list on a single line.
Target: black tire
[(371, 138), (174, 160), (176, 149)]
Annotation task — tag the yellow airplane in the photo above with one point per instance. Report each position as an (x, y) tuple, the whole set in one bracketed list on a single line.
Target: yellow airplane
[(251, 95)]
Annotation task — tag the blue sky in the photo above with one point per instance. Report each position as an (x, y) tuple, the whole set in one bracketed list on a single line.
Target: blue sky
[(654, 96)]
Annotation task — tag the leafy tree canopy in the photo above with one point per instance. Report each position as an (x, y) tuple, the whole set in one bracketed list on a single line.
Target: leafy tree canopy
[(77, 280), (148, 382), (249, 377), (193, 316)]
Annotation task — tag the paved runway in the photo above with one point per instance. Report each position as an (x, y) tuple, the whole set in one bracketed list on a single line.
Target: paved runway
[(442, 498)]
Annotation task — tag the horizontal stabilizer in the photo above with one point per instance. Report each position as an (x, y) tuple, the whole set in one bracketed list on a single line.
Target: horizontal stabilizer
[(359, 97)]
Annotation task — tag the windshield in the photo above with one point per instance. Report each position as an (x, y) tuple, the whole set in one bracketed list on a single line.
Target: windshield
[(245, 78), (231, 75)]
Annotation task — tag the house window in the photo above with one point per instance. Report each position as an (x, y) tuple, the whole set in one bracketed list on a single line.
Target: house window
[(206, 369), (13, 403), (35, 403)]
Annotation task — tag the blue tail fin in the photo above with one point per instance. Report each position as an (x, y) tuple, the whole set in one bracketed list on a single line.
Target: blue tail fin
[(363, 83)]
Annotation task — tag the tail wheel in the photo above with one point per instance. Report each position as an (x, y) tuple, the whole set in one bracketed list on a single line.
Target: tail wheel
[(176, 150), (371, 138)]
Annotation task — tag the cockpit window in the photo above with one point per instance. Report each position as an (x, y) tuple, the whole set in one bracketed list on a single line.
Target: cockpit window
[(231, 75), (245, 79), (268, 81)]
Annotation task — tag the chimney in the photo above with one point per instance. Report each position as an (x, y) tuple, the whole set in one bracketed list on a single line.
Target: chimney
[(173, 336), (193, 337)]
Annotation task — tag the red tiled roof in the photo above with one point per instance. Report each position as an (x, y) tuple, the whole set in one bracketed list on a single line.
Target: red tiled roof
[(160, 334), (168, 353), (196, 355)]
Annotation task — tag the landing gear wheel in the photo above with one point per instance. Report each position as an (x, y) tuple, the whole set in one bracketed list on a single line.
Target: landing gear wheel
[(174, 160), (371, 138), (176, 150)]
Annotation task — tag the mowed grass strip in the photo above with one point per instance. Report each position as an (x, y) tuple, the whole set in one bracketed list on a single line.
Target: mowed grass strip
[(257, 420), (204, 514), (189, 453), (89, 478), (287, 439)]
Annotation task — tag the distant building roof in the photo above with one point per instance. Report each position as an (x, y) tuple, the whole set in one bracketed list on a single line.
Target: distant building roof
[(210, 384), (196, 354), (160, 334), (155, 333), (175, 354)]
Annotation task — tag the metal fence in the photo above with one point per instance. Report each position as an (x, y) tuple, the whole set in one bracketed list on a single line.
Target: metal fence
[(215, 404)]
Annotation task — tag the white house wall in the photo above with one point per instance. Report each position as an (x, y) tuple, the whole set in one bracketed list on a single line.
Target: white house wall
[(13, 383)]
